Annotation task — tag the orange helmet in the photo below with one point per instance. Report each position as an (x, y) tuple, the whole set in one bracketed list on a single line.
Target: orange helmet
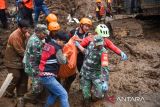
[(53, 26), (51, 18), (97, 1), (86, 21)]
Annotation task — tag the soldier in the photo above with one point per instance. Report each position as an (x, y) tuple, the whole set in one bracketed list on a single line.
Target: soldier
[(31, 60), (95, 68)]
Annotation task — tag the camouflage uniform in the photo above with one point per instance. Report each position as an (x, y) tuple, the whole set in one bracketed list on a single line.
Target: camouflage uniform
[(32, 59), (93, 73)]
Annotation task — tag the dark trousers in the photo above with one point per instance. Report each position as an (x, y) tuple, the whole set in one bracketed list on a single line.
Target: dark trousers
[(98, 15), (25, 13), (29, 15), (3, 18), (20, 82)]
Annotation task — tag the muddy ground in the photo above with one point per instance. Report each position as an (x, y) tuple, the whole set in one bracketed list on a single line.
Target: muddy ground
[(139, 76)]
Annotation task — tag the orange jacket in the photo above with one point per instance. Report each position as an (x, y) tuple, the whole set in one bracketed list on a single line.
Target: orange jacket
[(3, 4), (28, 3)]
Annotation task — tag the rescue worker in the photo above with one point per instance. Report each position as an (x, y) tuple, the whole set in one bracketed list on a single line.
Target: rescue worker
[(82, 31), (51, 58), (95, 68), (13, 61), (39, 6), (109, 8), (100, 10), (31, 61), (3, 17), (103, 31), (20, 10), (28, 4), (54, 29)]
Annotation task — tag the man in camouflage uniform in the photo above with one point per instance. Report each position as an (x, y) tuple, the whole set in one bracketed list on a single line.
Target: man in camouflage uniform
[(32, 56), (95, 67), (94, 70)]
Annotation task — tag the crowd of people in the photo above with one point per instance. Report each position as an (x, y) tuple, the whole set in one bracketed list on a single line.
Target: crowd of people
[(39, 56)]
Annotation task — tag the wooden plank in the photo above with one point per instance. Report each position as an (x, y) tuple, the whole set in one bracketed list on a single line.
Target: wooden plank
[(6, 84)]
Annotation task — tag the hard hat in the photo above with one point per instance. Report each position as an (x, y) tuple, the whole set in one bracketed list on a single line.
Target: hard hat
[(98, 40), (98, 1), (51, 18), (86, 21), (53, 26), (102, 30)]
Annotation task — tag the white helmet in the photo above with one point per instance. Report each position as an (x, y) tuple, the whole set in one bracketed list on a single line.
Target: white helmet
[(102, 30)]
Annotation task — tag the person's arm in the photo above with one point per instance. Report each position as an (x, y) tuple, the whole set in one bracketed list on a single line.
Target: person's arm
[(85, 42), (81, 48), (35, 54), (62, 59), (109, 44)]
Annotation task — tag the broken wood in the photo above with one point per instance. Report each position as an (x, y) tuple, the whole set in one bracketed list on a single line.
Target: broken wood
[(6, 84)]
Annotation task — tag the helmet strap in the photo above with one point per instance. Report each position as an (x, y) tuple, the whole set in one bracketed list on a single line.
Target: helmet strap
[(81, 28)]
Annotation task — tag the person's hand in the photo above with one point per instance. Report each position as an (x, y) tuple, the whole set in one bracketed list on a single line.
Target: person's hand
[(27, 35), (77, 43), (124, 56), (104, 86)]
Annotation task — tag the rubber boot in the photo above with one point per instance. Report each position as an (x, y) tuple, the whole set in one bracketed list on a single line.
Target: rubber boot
[(30, 97), (20, 102)]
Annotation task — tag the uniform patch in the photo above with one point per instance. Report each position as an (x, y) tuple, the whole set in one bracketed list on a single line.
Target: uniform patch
[(46, 47)]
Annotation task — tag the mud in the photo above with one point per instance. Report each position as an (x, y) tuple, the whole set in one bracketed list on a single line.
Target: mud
[(139, 76)]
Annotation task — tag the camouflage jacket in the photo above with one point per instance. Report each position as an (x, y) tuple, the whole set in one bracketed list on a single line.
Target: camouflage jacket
[(92, 66), (32, 55)]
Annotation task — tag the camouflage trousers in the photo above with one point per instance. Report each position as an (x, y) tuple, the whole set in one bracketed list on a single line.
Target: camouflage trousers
[(36, 85), (91, 86)]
